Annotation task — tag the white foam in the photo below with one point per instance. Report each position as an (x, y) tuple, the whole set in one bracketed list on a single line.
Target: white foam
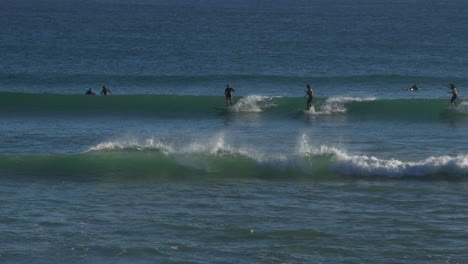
[(121, 144), (311, 110), (339, 159), (337, 104), (306, 149), (347, 99), (365, 165), (253, 103), (213, 145), (461, 108), (371, 166)]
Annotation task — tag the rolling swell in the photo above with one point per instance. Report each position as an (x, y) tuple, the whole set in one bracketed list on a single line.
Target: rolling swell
[(154, 161), (141, 105), (122, 104)]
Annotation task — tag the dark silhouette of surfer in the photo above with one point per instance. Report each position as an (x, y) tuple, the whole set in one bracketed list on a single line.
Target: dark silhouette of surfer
[(90, 92), (413, 88), (105, 91), (310, 94), (454, 93), (228, 93)]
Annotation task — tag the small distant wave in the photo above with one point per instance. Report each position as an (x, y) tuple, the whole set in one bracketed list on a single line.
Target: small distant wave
[(203, 106)]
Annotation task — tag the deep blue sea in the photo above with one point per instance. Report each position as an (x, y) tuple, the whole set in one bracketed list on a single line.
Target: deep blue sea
[(162, 171)]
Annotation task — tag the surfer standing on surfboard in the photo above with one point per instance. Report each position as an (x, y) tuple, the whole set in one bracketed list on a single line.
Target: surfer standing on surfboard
[(105, 91), (228, 94), (454, 93), (310, 94)]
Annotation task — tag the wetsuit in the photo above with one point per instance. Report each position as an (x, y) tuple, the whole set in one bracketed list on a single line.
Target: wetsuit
[(452, 100), (105, 91), (228, 92), (309, 99)]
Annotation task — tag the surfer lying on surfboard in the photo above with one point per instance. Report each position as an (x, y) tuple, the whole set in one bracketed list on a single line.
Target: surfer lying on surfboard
[(413, 88)]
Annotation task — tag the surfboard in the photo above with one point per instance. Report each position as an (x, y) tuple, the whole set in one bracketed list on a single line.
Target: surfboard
[(311, 110)]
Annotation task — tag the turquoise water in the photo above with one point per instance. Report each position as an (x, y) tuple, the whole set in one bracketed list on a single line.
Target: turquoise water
[(161, 171), (233, 220)]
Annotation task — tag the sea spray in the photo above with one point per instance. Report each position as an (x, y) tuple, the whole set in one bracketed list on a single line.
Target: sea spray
[(132, 144), (253, 103), (338, 104)]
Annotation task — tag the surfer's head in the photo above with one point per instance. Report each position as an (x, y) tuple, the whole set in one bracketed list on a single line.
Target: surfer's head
[(452, 86)]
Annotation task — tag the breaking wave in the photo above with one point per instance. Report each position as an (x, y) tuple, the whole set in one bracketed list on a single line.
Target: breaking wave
[(152, 158)]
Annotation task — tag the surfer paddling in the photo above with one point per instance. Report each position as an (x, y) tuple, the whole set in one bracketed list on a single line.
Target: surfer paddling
[(413, 88), (310, 96), (90, 92), (454, 93), (228, 93)]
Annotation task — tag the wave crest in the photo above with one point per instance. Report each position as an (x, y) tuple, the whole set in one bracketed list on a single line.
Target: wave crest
[(131, 144), (321, 161)]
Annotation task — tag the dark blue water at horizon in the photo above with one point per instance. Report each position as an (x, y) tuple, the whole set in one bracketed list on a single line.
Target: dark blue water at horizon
[(99, 41)]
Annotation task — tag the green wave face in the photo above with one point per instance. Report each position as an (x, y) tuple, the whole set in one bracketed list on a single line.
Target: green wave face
[(133, 164)]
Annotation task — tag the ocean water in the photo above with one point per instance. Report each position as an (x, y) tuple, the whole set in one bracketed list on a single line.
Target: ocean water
[(161, 171)]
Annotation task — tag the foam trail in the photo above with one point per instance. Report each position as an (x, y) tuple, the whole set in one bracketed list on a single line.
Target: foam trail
[(461, 108), (253, 103), (337, 104)]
